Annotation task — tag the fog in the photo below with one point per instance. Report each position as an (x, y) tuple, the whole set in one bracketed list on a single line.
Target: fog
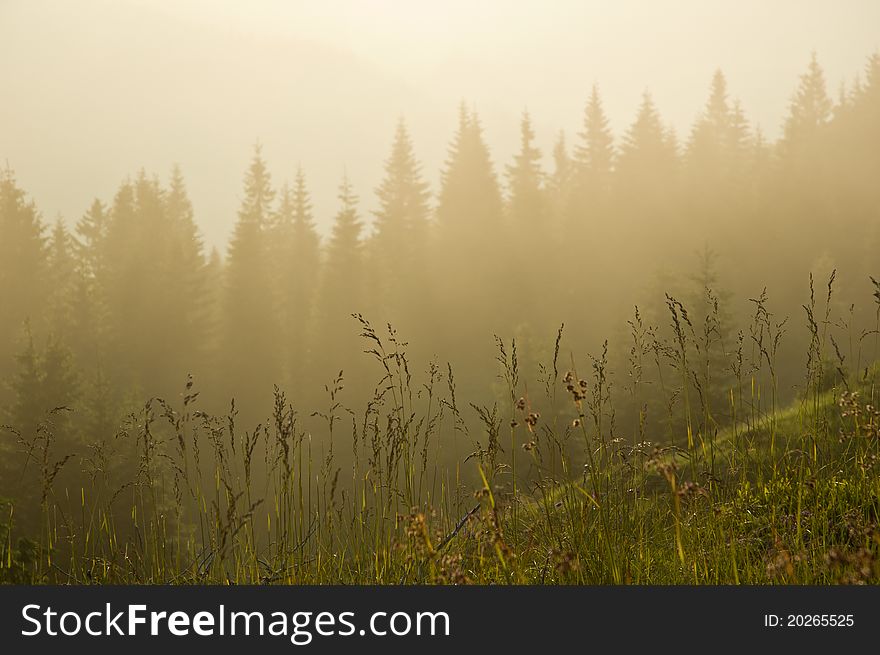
[(96, 90), (372, 238)]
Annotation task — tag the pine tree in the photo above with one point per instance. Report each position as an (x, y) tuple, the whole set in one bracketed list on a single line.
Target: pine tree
[(870, 90), (709, 142), (646, 167), (739, 134), (27, 405), (341, 295), (304, 272), (804, 172), (855, 164), (588, 215), (44, 381), (398, 247), (91, 232), (215, 286), (645, 196), (646, 151), (469, 244), (305, 238), (45, 389), (344, 251), (810, 110), (250, 330), (87, 332), (469, 204), (588, 205), (740, 154), (716, 158), (150, 328), (594, 153), (528, 233), (526, 207), (280, 246), (62, 279), (21, 411), (296, 246), (123, 253), (183, 266), (23, 263)]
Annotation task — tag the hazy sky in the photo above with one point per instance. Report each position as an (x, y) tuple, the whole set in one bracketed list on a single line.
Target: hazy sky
[(94, 90)]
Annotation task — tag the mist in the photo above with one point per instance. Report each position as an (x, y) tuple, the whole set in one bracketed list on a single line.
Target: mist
[(102, 89), (269, 274)]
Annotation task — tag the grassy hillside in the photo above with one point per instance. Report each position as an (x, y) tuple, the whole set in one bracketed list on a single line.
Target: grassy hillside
[(794, 498), (782, 496)]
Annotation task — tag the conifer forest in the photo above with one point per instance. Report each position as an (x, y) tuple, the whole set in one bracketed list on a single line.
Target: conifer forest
[(631, 352)]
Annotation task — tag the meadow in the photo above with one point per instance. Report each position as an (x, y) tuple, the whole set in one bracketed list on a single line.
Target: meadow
[(555, 490), (640, 357)]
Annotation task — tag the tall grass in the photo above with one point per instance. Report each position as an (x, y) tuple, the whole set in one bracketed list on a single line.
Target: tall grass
[(710, 481)]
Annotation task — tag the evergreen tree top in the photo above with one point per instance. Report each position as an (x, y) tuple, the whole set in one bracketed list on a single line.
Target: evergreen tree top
[(810, 107), (403, 194), (469, 187), (647, 144), (524, 175), (302, 203), (256, 206), (594, 153), (346, 226)]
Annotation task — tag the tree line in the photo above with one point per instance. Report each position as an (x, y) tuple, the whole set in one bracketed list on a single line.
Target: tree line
[(128, 301)]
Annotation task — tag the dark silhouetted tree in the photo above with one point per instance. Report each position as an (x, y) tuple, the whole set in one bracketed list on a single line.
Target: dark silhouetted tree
[(297, 248), (469, 205), (529, 225), (22, 264), (341, 290), (594, 152), (250, 322), (183, 265), (810, 109), (62, 279), (469, 247), (397, 249)]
